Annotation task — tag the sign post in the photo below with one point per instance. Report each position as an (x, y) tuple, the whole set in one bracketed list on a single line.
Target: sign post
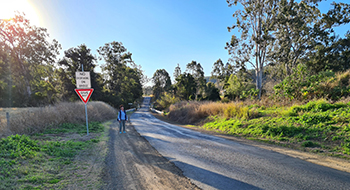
[(84, 90)]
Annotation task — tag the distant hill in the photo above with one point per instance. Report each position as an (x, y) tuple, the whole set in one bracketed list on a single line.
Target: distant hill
[(207, 78)]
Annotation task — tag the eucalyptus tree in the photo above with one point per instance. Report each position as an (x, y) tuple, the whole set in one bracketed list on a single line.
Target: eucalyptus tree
[(301, 31), (332, 52), (162, 82), (177, 71), (295, 35), (186, 87), (196, 70), (29, 59), (222, 72), (211, 92), (218, 71), (5, 74), (77, 59), (255, 22), (334, 56), (122, 77)]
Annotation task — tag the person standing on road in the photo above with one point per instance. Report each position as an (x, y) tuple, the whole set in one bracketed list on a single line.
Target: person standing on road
[(122, 118)]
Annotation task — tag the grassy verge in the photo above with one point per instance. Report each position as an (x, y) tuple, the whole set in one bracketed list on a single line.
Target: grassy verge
[(59, 158), (318, 126)]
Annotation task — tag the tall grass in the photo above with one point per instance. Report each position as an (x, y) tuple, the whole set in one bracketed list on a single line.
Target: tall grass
[(193, 111), (37, 120)]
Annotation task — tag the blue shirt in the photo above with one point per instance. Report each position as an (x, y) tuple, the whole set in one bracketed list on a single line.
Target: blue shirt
[(122, 116)]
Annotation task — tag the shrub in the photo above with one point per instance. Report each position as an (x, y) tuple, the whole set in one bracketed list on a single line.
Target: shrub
[(164, 101), (240, 87), (302, 86), (307, 144), (236, 111)]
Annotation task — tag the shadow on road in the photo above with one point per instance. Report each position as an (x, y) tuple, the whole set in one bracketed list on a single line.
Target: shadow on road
[(199, 174)]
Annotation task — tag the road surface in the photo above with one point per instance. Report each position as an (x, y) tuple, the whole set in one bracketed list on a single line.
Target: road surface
[(212, 162)]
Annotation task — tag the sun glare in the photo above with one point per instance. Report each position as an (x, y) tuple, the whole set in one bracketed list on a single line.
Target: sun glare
[(8, 8)]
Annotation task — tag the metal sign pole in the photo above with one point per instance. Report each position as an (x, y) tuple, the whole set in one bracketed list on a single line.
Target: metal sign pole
[(87, 124), (86, 115)]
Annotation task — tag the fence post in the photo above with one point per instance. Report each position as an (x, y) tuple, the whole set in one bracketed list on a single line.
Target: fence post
[(8, 120)]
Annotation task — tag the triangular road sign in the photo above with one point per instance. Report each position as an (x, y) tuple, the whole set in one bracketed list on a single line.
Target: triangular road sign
[(84, 94)]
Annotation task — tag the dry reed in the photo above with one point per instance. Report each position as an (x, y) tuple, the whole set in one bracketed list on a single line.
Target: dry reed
[(190, 112), (194, 111), (35, 120)]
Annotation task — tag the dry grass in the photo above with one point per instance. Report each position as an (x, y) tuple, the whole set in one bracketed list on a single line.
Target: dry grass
[(193, 111), (28, 121)]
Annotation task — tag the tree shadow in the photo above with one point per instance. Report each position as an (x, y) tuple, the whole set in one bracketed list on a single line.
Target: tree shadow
[(212, 179)]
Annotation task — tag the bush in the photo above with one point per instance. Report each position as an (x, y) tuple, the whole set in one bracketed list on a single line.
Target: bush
[(236, 111), (211, 92), (315, 106), (307, 144), (164, 101), (302, 86), (240, 87)]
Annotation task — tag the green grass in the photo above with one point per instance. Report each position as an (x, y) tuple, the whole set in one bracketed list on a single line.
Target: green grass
[(94, 127), (39, 162), (318, 124)]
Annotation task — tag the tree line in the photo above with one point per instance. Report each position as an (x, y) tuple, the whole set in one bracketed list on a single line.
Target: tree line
[(31, 75), (278, 42)]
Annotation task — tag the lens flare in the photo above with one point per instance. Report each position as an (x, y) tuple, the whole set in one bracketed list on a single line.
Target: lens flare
[(8, 9)]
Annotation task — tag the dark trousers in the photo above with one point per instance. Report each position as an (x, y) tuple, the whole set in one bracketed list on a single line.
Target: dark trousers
[(122, 124)]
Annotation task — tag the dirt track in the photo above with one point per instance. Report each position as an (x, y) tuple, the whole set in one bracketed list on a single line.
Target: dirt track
[(132, 163)]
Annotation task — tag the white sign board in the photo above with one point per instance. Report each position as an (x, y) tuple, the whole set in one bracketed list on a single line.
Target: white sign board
[(83, 79)]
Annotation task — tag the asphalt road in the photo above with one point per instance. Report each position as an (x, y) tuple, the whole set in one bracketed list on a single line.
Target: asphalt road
[(132, 163), (211, 162)]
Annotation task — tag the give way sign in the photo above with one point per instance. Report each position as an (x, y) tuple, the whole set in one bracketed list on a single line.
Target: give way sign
[(84, 94)]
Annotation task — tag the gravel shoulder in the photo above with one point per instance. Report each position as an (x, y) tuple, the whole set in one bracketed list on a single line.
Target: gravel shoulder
[(132, 163)]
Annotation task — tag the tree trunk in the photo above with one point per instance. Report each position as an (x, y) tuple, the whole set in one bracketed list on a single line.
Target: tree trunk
[(259, 64), (260, 81)]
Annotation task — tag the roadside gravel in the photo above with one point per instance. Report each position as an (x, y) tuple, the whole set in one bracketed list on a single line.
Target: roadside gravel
[(132, 163)]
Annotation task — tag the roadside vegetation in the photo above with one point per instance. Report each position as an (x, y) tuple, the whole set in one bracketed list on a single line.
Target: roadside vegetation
[(310, 113), (48, 148), (36, 120), (318, 126), (57, 158)]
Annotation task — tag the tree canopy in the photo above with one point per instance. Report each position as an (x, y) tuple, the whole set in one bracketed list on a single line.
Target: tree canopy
[(283, 34), (30, 74), (27, 58), (162, 82)]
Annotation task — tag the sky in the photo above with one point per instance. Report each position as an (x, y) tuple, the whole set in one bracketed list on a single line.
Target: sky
[(159, 33)]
